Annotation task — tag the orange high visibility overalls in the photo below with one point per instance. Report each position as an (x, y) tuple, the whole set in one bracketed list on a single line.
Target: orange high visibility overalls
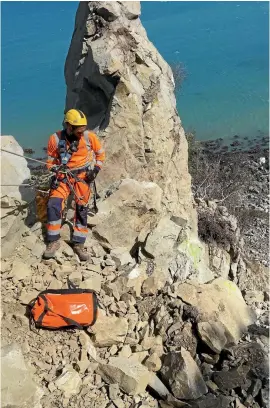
[(78, 163)]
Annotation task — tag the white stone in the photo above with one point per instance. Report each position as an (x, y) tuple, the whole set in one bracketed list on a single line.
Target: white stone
[(131, 376), (69, 382)]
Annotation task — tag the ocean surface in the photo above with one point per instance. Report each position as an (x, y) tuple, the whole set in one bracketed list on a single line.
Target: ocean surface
[(223, 47)]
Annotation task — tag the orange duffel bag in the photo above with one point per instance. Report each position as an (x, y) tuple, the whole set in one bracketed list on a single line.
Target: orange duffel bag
[(56, 309)]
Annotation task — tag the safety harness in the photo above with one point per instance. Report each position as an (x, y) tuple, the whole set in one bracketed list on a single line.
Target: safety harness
[(65, 155)]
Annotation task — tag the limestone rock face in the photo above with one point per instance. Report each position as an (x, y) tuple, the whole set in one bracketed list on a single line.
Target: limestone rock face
[(133, 106)]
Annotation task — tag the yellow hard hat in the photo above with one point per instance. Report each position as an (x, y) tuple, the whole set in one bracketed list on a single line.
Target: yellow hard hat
[(75, 117)]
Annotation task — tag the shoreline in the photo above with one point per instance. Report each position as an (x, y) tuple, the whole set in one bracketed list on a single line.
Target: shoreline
[(238, 179)]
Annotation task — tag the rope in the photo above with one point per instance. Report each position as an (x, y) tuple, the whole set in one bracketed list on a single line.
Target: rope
[(67, 172), (17, 185), (25, 157)]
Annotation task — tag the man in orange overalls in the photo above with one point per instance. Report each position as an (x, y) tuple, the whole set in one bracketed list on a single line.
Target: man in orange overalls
[(70, 157)]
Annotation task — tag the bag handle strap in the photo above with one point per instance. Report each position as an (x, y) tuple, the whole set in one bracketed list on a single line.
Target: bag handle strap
[(71, 285), (69, 321)]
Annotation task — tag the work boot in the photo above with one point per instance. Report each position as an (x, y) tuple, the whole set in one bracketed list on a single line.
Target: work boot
[(51, 249), (80, 250)]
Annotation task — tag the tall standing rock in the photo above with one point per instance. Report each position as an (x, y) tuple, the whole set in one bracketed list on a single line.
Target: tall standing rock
[(117, 77)]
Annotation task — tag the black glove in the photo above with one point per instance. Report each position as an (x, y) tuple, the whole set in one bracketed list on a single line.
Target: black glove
[(92, 174)]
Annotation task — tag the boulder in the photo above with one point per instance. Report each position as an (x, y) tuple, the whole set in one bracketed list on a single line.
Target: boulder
[(183, 376), (162, 240), (131, 376), (219, 301), (109, 330), (177, 256), (228, 380), (150, 342), (38, 249), (252, 354), (135, 203), (18, 389), (238, 404), (213, 334)]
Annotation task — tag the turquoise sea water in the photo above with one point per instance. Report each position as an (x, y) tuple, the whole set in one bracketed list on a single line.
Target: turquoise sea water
[(223, 46)]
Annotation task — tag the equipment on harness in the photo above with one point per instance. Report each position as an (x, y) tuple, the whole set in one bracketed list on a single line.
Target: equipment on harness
[(92, 174), (96, 196), (65, 154), (54, 169)]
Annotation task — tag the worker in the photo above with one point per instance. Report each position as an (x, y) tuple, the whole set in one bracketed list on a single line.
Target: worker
[(71, 158)]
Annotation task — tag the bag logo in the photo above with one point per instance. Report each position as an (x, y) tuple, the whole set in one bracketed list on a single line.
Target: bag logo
[(78, 308)]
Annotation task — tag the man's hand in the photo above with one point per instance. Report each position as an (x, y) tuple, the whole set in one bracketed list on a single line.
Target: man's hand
[(92, 174), (54, 168)]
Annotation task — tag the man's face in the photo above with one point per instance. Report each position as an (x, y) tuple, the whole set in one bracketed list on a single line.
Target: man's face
[(76, 130)]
